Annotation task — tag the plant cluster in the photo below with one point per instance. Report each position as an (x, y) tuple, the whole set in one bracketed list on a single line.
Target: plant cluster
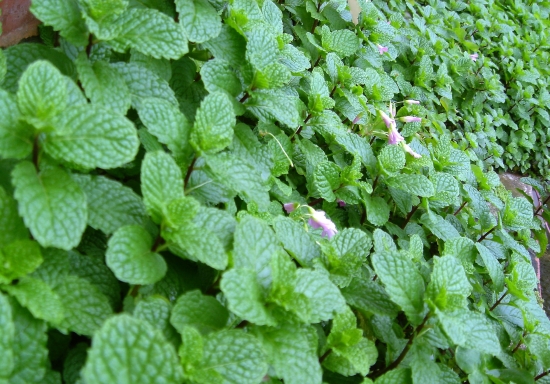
[(497, 109), (204, 191)]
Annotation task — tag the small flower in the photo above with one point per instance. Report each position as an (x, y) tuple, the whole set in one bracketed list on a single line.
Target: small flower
[(410, 151), (474, 57), (381, 49), (410, 119), (394, 136), (319, 220), (356, 120), (341, 203), (412, 102), (289, 207), (387, 120)]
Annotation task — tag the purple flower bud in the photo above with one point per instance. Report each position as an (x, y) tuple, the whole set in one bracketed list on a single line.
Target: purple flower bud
[(341, 203), (410, 151), (394, 136), (319, 220), (387, 120), (289, 207), (410, 119), (474, 57), (381, 49), (356, 119), (412, 102)]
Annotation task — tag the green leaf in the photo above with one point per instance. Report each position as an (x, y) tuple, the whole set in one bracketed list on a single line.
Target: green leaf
[(42, 93), (296, 240), (85, 307), (241, 177), (161, 182), (291, 353), (52, 205), (144, 83), (124, 343), (76, 357), (131, 259), (518, 213), (539, 346), (205, 313), (214, 122), (99, 9), (245, 296), (91, 137), (270, 105), (440, 227), (383, 242), (7, 336), (237, 357), (221, 223), (156, 310), (218, 76), (103, 85), (229, 45), (18, 259), (199, 19), (446, 188), (247, 147), (37, 296), (378, 211), (324, 297), (449, 287), (55, 267), (344, 42), (150, 32), (370, 297), (471, 330), (30, 355), (111, 205), (326, 178), (418, 185), (261, 48), (64, 16), (403, 282), (11, 225), (392, 158), (16, 139), (494, 268)]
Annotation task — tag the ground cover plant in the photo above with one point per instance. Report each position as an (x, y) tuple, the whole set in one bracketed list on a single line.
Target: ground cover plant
[(241, 192)]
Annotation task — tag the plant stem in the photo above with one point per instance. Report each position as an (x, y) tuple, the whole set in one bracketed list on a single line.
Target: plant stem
[(189, 171), (35, 152), (498, 301), (325, 355), (375, 182), (301, 126), (542, 375), (244, 98), (486, 234), (408, 218), (460, 209), (158, 242), (542, 205), (403, 353)]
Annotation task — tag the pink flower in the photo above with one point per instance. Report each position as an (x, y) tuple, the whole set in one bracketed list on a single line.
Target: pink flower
[(412, 102), (319, 220), (289, 207), (341, 203), (394, 136), (381, 49), (410, 150), (474, 57), (410, 119), (356, 119), (387, 120)]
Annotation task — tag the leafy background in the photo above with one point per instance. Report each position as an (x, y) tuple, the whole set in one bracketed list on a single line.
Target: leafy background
[(148, 149)]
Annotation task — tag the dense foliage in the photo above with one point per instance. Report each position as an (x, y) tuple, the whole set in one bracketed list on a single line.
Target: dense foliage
[(209, 192)]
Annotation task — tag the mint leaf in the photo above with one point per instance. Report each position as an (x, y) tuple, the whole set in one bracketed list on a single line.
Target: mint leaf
[(291, 353), (324, 297), (418, 185), (161, 182), (495, 269), (150, 32), (131, 259), (91, 136), (111, 205), (221, 223), (103, 85), (42, 93), (11, 225), (403, 282), (64, 16), (247, 147), (449, 287), (378, 211), (55, 267), (205, 313), (296, 240), (470, 330), (199, 19), (392, 158), (236, 356), (124, 343), (52, 205), (326, 178), (37, 296), (229, 45), (7, 359), (16, 139), (19, 258), (370, 297), (156, 311), (167, 123), (218, 76), (261, 48), (214, 122), (245, 296), (274, 105)]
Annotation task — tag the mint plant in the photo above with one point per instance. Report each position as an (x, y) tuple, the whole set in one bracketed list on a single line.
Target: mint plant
[(241, 192)]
